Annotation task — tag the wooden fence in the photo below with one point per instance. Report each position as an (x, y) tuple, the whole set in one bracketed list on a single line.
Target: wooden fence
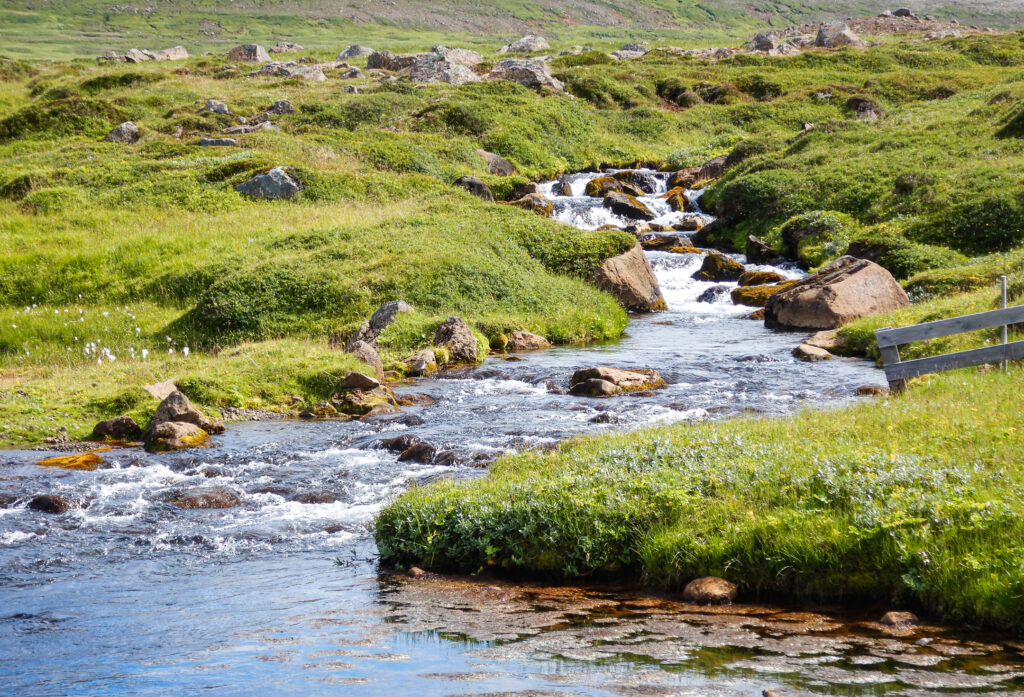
[(897, 371)]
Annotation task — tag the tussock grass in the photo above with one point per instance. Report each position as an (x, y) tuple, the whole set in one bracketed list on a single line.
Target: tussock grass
[(912, 499)]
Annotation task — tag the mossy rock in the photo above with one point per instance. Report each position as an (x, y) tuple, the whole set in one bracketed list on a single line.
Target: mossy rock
[(598, 187), (816, 237), (678, 201), (756, 296), (760, 278), (718, 267)]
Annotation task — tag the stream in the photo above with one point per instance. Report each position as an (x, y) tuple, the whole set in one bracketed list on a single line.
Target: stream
[(282, 595)]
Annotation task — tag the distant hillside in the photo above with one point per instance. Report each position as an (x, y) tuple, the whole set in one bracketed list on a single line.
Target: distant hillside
[(62, 28)]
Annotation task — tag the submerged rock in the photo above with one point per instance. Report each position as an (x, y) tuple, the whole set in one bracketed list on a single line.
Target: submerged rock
[(52, 503), (841, 292), (597, 382), (205, 497), (456, 336), (899, 620), (811, 354), (710, 590), (418, 452), (630, 278), (713, 294)]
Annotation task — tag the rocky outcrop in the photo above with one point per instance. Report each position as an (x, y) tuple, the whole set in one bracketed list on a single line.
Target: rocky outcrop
[(837, 35), (476, 187), (120, 429), (717, 267), (538, 203), (355, 51), (710, 590), (496, 164), (456, 336), (382, 318), (528, 73), (275, 184), (141, 56), (840, 292), (520, 340), (126, 132), (630, 278), (627, 206), (604, 382), (249, 53), (531, 43), (434, 68)]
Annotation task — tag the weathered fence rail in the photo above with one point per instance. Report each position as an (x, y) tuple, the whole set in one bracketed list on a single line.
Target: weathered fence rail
[(897, 371)]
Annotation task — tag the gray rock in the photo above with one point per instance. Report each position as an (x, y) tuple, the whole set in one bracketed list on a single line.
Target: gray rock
[(529, 73), (179, 409), (381, 60), (355, 51), (216, 106), (455, 335), (461, 56), (219, 142), (627, 55), (172, 54), (476, 187), (126, 132), (134, 55), (382, 318), (249, 53), (170, 436), (275, 184), (291, 69), (496, 164), (531, 43), (837, 35), (353, 74), (281, 106), (367, 353), (712, 294), (437, 69), (285, 47), (765, 41)]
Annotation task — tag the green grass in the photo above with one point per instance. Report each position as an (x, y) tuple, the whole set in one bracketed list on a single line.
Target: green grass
[(912, 500)]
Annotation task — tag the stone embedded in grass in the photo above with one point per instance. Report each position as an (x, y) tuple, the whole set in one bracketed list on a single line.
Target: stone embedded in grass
[(520, 340), (710, 590), (528, 73), (630, 278), (837, 35), (172, 54), (627, 206), (219, 142), (718, 267), (249, 53), (281, 106), (538, 203), (476, 187), (216, 106), (845, 290), (461, 56), (531, 43), (355, 51), (285, 47), (434, 68), (496, 164), (126, 132), (598, 382), (275, 184), (291, 69), (456, 336), (121, 429), (382, 318)]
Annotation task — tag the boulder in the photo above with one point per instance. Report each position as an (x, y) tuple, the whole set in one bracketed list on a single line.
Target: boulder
[(352, 74), (219, 142), (718, 267), (760, 278), (679, 201), (837, 35), (562, 187), (476, 187), (827, 340), (177, 408), (437, 69), (399, 444), (419, 452), (371, 402), (292, 70), (585, 380), (421, 363), (249, 53), (126, 132), (531, 43), (665, 243), (357, 381), (169, 436), (683, 179), (275, 184), (765, 41), (710, 590), (366, 352), (355, 51), (120, 429), (216, 106), (281, 106), (382, 318), (899, 620), (497, 164), (381, 60), (461, 56), (134, 55), (595, 387), (712, 169), (630, 278), (528, 73), (538, 203), (456, 336), (620, 54), (526, 189), (205, 497), (519, 340), (757, 296), (840, 292), (713, 294), (903, 12), (627, 206), (758, 251), (285, 47), (598, 187), (172, 54), (811, 354), (52, 503)]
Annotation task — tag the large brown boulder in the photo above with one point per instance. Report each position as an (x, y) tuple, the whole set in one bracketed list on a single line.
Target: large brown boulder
[(710, 590), (840, 292), (630, 278), (456, 336)]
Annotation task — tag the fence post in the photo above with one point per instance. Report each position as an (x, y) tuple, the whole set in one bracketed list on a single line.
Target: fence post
[(891, 356), (1002, 305)]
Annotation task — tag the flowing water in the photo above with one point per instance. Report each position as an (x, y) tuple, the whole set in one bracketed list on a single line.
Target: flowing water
[(281, 595)]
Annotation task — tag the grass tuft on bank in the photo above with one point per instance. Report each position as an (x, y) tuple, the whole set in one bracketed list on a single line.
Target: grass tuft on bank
[(912, 500)]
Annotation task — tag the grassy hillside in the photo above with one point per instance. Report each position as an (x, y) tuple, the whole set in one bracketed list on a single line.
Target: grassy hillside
[(43, 29)]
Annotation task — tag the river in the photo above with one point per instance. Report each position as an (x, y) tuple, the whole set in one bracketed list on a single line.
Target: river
[(132, 595)]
